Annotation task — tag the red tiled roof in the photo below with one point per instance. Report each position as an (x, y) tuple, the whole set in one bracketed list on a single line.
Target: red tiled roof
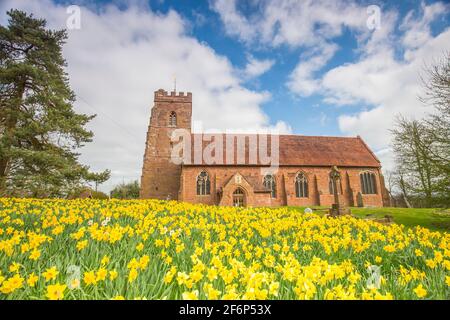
[(296, 150), (256, 183)]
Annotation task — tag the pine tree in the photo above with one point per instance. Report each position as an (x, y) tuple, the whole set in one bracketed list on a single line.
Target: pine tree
[(39, 129)]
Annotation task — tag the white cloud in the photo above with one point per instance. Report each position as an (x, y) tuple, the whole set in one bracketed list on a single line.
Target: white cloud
[(302, 80), (386, 84), (417, 29), (294, 23), (386, 157), (120, 57), (256, 67), (384, 81), (235, 23)]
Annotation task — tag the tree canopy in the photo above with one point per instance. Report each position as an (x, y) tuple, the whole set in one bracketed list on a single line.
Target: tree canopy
[(126, 190), (39, 129), (422, 147)]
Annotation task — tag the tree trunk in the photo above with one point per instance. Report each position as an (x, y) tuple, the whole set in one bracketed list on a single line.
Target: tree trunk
[(3, 169), (408, 205), (403, 188), (11, 124)]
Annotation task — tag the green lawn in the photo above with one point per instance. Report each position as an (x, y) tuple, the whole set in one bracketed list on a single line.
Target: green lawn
[(434, 219)]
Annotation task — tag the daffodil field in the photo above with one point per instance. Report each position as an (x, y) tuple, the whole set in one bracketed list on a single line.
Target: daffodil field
[(149, 249)]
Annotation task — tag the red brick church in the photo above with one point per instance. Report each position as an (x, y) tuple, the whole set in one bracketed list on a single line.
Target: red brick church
[(302, 176)]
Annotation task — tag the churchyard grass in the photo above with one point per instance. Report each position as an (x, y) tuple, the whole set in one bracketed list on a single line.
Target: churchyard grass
[(432, 218)]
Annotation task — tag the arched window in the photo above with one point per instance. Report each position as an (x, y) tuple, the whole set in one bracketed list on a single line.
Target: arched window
[(238, 198), (301, 186), (203, 184), (270, 184), (368, 183), (338, 185), (173, 119)]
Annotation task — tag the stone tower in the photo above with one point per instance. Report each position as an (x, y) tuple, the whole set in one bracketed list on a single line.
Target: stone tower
[(160, 177)]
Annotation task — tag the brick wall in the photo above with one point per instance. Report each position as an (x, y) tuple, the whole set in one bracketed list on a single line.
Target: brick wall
[(163, 179), (160, 177), (318, 186)]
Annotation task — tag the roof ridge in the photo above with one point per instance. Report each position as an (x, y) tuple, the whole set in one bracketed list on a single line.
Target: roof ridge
[(284, 135)]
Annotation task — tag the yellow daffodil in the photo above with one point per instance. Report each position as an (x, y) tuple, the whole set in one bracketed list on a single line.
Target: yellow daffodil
[(113, 275), (81, 245), (56, 291), (90, 278), (32, 279), (101, 274), (50, 273), (14, 267), (35, 254), (105, 260), (212, 252), (193, 295), (420, 291), (12, 284), (132, 275)]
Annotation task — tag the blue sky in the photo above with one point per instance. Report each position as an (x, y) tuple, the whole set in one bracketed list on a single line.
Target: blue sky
[(306, 115), (300, 67)]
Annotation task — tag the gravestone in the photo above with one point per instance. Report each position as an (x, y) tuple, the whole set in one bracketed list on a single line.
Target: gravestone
[(359, 200)]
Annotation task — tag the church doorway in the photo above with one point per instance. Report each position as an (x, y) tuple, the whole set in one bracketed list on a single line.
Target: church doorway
[(239, 198)]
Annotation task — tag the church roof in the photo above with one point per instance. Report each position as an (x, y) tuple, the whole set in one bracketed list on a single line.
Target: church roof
[(256, 183), (296, 150)]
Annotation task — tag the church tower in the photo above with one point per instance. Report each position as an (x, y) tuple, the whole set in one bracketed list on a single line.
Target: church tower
[(160, 177)]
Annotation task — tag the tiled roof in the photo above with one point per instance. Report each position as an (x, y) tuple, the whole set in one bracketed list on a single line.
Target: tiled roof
[(296, 150), (256, 183)]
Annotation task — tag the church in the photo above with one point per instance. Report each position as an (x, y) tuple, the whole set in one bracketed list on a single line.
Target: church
[(300, 176)]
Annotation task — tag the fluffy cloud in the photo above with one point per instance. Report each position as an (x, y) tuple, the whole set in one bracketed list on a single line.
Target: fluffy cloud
[(386, 84), (120, 57), (302, 80), (256, 67), (417, 30), (294, 23)]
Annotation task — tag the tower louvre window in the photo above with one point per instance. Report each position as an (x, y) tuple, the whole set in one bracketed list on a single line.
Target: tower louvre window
[(173, 119)]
